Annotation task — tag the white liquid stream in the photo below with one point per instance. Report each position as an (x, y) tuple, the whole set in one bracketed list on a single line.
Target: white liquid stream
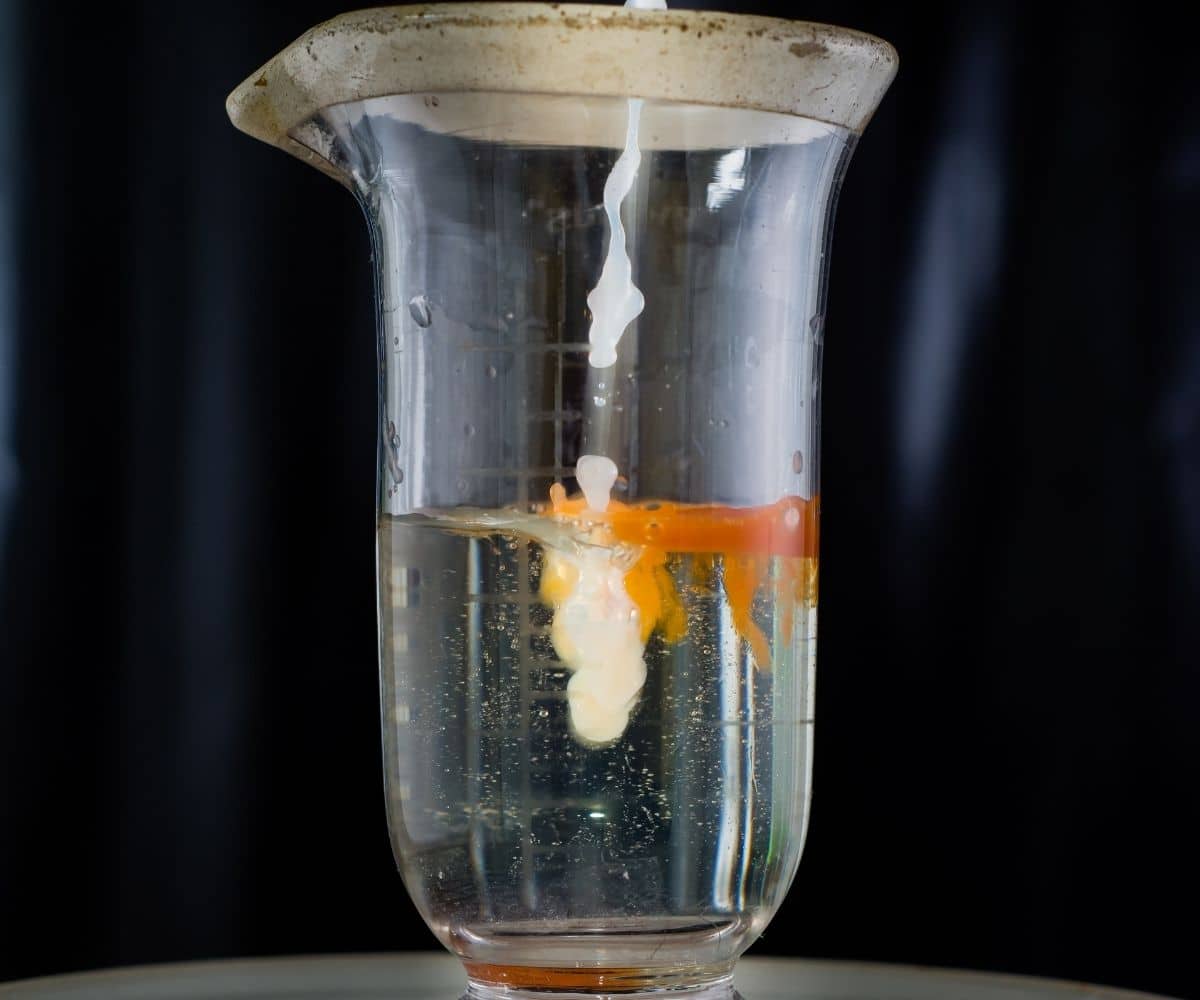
[(616, 301), (597, 629)]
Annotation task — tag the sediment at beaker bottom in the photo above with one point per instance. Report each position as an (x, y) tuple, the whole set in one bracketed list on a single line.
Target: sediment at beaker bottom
[(514, 981), (616, 957)]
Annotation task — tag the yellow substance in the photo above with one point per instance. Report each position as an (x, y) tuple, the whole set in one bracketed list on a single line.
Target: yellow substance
[(558, 580), (651, 588)]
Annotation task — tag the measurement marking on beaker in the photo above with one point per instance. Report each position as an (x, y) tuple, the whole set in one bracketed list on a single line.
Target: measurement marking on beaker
[(523, 475), (529, 892), (558, 405), (558, 416), (569, 347)]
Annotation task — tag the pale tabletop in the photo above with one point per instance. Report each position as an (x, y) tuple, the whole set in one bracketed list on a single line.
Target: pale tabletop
[(440, 977)]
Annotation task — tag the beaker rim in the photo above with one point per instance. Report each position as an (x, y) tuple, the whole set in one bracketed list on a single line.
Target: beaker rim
[(816, 71)]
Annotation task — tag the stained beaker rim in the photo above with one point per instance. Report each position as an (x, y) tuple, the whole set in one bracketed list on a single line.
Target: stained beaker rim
[(816, 71)]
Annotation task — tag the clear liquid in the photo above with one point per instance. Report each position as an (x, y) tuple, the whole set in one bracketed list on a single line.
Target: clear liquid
[(670, 847)]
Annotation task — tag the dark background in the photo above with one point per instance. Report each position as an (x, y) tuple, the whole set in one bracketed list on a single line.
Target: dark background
[(1008, 753)]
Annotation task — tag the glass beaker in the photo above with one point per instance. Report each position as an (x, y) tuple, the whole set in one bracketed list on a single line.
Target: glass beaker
[(600, 247)]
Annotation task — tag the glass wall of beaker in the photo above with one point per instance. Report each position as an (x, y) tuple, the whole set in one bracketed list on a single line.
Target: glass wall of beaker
[(597, 713)]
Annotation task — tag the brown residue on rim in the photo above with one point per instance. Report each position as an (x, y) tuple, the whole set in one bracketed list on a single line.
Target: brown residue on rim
[(383, 51), (803, 49)]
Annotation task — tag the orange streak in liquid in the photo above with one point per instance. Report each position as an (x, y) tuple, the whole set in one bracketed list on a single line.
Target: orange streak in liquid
[(744, 537)]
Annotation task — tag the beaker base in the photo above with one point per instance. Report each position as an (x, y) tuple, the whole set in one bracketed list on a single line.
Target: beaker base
[(516, 982)]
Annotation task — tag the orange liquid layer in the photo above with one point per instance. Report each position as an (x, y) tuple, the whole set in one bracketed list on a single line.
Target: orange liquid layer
[(527, 977), (747, 540), (785, 528)]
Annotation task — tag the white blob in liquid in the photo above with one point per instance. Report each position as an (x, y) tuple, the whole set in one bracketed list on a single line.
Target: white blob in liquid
[(597, 635), (597, 628), (596, 475)]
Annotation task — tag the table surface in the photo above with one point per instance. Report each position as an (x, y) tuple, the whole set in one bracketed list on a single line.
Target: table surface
[(440, 977)]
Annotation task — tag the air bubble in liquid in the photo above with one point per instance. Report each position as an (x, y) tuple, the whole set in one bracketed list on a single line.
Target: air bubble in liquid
[(418, 308)]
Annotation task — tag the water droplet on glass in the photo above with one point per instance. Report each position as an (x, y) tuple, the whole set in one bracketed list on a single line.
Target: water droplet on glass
[(751, 353), (491, 371), (462, 486), (418, 307), (469, 430), (797, 462), (399, 476), (599, 400)]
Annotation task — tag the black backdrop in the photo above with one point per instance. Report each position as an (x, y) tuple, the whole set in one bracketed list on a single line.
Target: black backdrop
[(1007, 748)]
